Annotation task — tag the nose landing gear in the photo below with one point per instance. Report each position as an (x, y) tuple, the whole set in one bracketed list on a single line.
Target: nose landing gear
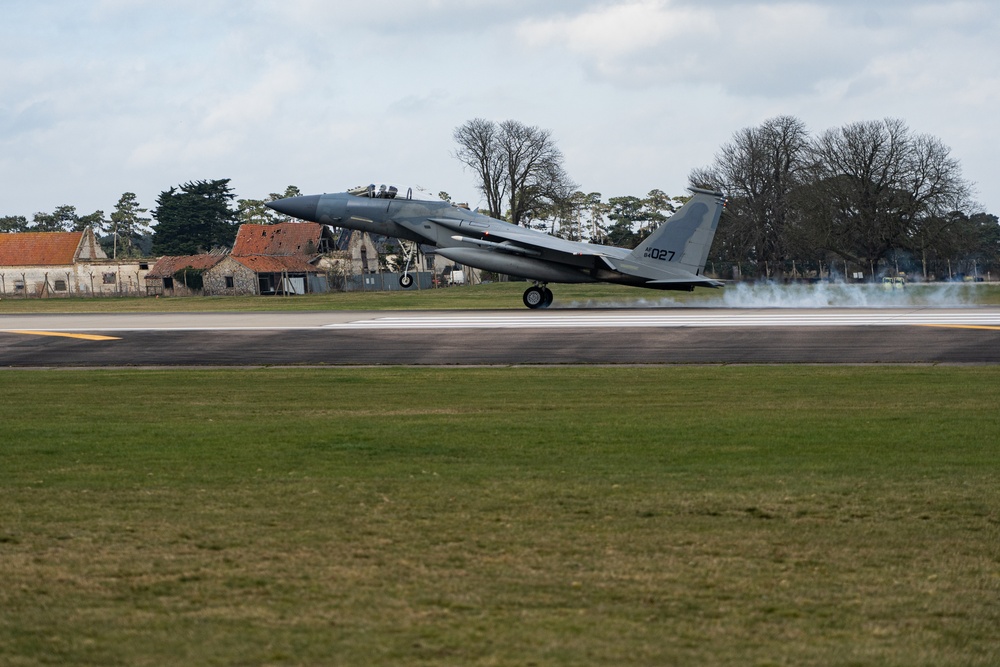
[(538, 296), (409, 249)]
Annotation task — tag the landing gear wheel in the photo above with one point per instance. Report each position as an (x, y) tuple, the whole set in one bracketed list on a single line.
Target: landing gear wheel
[(538, 296), (534, 297), (406, 280)]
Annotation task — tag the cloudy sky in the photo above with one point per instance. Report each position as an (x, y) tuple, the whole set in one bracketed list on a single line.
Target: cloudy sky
[(101, 97)]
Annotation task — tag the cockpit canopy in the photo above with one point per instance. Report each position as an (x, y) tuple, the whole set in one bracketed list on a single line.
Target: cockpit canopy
[(383, 192), (392, 192)]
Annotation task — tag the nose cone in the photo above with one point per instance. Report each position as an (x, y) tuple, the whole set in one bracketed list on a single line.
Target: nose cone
[(303, 208)]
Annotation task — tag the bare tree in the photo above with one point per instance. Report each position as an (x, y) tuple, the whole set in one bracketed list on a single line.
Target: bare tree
[(874, 184), (518, 167), (858, 192), (478, 149), (759, 169)]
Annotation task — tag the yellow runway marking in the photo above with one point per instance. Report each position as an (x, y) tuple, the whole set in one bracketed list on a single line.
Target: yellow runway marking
[(62, 334), (963, 326)]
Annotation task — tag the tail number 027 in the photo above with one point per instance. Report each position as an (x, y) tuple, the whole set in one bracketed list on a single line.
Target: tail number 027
[(662, 255)]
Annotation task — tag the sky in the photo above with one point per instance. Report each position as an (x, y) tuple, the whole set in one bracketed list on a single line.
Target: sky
[(102, 97)]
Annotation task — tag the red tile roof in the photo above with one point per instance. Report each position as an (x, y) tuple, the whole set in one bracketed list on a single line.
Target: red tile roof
[(39, 248), (282, 239), (168, 266)]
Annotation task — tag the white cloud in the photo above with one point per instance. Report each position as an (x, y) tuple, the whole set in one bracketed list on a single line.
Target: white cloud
[(762, 48), (137, 95), (616, 31)]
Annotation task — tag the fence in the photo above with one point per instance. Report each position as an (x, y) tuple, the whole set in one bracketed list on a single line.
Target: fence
[(80, 282)]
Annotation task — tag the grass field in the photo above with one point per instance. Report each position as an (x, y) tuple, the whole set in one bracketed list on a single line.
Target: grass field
[(489, 296), (502, 516), (508, 295)]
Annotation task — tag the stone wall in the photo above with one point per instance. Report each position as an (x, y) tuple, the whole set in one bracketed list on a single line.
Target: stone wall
[(241, 280)]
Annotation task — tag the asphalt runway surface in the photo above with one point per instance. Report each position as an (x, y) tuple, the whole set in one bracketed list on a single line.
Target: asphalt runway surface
[(587, 336), (912, 335)]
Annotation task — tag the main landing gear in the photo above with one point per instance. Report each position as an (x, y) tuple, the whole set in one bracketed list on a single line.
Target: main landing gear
[(538, 296)]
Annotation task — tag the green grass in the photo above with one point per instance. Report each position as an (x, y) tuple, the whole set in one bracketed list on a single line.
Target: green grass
[(495, 295), (648, 516), (490, 296)]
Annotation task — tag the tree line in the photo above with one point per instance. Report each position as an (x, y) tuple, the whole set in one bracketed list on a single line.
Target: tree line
[(871, 197), (194, 217), (127, 222), (866, 197)]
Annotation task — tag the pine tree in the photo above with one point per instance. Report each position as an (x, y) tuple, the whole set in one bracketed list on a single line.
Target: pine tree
[(128, 226), (195, 218), (13, 223), (63, 219)]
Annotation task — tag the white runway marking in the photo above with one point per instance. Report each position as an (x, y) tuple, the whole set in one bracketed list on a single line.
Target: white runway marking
[(981, 317), (818, 318)]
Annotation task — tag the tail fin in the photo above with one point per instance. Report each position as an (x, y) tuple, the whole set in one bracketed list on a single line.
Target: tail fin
[(686, 237)]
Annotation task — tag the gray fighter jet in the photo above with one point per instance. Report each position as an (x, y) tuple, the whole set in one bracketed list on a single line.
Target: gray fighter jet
[(671, 258)]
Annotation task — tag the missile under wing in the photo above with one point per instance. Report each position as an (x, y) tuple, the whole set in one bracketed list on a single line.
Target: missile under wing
[(671, 258)]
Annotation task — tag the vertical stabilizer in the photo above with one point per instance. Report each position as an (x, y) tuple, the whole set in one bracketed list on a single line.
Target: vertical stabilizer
[(683, 241)]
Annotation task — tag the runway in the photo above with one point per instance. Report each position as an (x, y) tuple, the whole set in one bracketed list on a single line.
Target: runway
[(587, 336), (724, 318)]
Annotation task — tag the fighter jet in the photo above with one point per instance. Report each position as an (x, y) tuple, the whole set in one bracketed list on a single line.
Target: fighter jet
[(671, 258)]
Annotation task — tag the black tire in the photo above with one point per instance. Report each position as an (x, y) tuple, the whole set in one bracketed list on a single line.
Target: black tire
[(406, 280), (534, 297), (548, 297)]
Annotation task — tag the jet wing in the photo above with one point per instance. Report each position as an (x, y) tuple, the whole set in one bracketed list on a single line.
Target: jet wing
[(528, 242), (539, 241), (546, 242), (527, 238)]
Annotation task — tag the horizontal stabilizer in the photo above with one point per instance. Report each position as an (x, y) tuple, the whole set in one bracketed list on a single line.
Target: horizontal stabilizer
[(700, 281)]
